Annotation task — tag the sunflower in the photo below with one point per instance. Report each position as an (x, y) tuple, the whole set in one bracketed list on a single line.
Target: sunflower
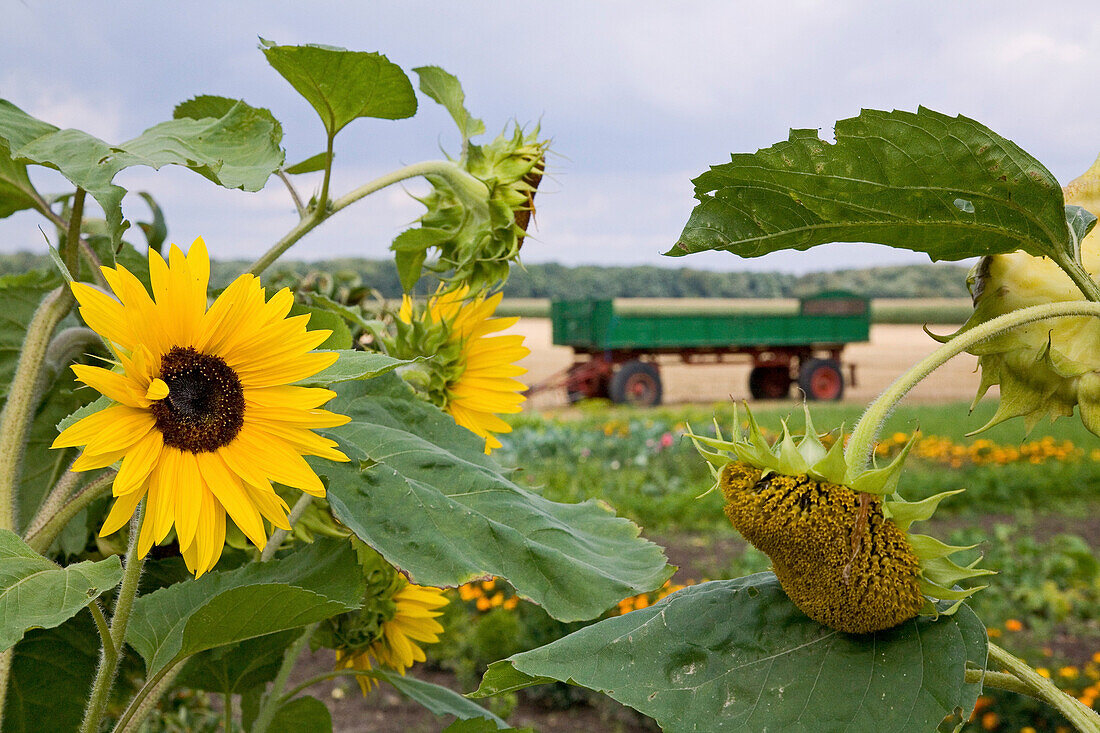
[(206, 415), (396, 646), (475, 378)]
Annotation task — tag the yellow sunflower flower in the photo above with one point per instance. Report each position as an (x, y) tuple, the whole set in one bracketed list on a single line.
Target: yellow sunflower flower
[(479, 381), (413, 623), (206, 415)]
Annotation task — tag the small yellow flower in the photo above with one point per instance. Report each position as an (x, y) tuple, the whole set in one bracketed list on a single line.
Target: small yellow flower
[(206, 416), (413, 623), (1013, 625), (1043, 672)]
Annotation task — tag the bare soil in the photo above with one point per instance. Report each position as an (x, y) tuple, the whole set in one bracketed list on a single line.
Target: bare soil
[(891, 350)]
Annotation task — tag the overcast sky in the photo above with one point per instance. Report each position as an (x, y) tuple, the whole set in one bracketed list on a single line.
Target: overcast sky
[(639, 97)]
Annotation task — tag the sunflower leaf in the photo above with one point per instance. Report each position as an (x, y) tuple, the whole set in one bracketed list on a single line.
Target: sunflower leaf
[(305, 714), (354, 365), (436, 506), (35, 592), (444, 88), (235, 669), (51, 673), (735, 655), (240, 149), (343, 85), (439, 700), (924, 181), (222, 608)]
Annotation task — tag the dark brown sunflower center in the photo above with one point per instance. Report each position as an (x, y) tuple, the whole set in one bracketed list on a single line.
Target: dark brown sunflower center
[(204, 409)]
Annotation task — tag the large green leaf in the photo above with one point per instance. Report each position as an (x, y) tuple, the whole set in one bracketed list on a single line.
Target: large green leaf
[(444, 88), (302, 715), (240, 149), (737, 655), (440, 700), (51, 676), (222, 608), (438, 508), (947, 186), (352, 365), (235, 669), (15, 185), (320, 318), (35, 592), (343, 85)]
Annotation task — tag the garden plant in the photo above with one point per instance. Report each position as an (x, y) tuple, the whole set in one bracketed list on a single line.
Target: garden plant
[(196, 486)]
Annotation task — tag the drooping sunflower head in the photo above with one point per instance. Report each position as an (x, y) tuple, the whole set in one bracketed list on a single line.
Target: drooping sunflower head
[(477, 227), (472, 373), (839, 544), (204, 413), (1048, 367), (397, 618)]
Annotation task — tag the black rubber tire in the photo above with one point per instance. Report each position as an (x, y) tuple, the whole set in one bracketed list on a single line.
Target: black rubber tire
[(770, 383), (636, 383), (821, 379)]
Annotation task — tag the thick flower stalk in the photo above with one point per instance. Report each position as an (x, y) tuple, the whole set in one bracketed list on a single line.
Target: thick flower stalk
[(839, 544), (472, 374), (1043, 368), (205, 413)]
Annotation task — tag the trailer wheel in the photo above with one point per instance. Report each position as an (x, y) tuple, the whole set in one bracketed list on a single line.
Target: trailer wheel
[(636, 383), (821, 379), (769, 382)]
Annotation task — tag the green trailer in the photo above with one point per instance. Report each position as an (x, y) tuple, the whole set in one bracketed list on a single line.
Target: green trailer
[(618, 355)]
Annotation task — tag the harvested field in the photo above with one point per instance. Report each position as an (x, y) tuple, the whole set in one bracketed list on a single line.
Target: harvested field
[(893, 348)]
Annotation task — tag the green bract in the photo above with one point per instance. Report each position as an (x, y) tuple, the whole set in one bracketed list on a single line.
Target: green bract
[(838, 542)]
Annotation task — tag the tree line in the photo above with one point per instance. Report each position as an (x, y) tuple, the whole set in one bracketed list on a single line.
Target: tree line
[(557, 281)]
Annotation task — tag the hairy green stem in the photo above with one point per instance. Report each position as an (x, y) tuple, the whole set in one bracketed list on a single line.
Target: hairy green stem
[(450, 170), (279, 535), (103, 629), (56, 499), (293, 193), (1082, 717), (1000, 680), (15, 420), (227, 712), (334, 674), (85, 248), (274, 698), (862, 443), (70, 248), (120, 619), (146, 698), (48, 524)]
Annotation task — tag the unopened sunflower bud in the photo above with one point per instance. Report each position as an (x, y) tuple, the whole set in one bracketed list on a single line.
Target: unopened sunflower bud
[(1046, 367), (478, 216)]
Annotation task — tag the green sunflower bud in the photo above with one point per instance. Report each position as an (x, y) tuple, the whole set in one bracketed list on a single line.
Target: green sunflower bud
[(477, 218), (839, 544), (1047, 367)]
